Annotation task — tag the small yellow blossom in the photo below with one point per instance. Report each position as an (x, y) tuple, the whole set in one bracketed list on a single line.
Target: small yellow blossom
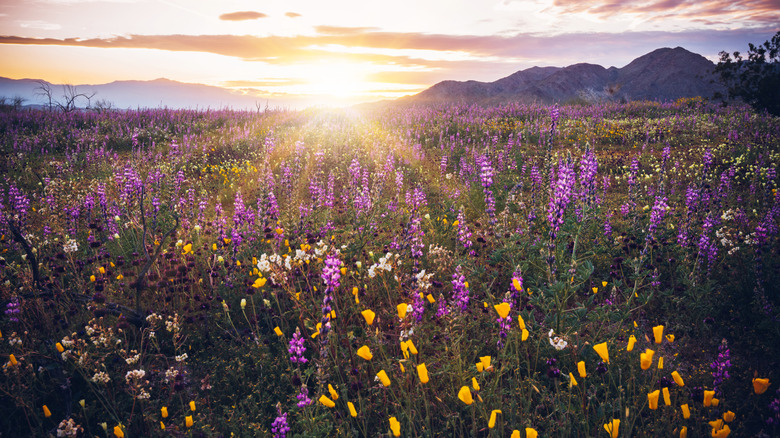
[(352, 410), (192, 406), (492, 422), (402, 309), (658, 333), (46, 411), (521, 321), (422, 371), (613, 428), (708, 395), (164, 411), (572, 380), (581, 369), (602, 350), (525, 335), (530, 433), (652, 399), (465, 395), (760, 385), (60, 348), (631, 342), (412, 348), (677, 378), (365, 352), (333, 392), (729, 416), (278, 331), (188, 421), (667, 397), (502, 310), (369, 315), (474, 384), (395, 426), (383, 377), (325, 401), (118, 432), (646, 359), (686, 412)]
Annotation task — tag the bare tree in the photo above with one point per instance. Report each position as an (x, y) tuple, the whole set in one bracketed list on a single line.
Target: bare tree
[(70, 96), (103, 105), (44, 90)]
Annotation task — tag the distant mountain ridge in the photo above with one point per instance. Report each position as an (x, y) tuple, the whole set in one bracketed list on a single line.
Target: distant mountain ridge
[(141, 94), (663, 74)]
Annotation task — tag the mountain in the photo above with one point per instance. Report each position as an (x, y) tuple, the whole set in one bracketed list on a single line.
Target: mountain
[(663, 74), (141, 94)]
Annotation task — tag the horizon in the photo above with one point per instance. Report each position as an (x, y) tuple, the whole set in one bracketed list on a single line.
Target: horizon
[(354, 52)]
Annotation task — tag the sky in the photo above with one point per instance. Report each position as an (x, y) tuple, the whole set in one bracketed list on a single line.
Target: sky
[(354, 51)]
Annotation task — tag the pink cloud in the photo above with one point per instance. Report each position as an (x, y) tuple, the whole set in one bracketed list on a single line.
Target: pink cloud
[(242, 16)]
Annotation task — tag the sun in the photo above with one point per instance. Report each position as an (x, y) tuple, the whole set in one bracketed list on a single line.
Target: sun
[(337, 79)]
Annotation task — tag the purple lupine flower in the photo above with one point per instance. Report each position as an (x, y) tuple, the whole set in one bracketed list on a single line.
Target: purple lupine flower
[(442, 309), (588, 168), (296, 347), (330, 276), (486, 179), (656, 216), (280, 427), (303, 397), (561, 197), (720, 366), (464, 234), (460, 293), (12, 309)]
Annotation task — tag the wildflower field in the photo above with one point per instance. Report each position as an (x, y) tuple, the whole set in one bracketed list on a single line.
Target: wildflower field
[(518, 271)]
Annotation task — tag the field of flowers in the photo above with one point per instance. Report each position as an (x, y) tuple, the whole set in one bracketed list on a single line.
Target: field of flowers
[(601, 271)]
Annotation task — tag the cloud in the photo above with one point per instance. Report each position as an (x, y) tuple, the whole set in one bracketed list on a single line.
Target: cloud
[(242, 16), (292, 14), (709, 11), (265, 82), (454, 56), (39, 25)]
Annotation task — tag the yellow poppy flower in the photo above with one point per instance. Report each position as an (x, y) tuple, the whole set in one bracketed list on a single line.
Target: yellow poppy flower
[(525, 335), (677, 379), (465, 395), (365, 352), (631, 342), (480, 368), (164, 411), (412, 348), (594, 289), (278, 331), (502, 310), (192, 406), (521, 321), (684, 432), (667, 397), (602, 350), (46, 411), (395, 426), (118, 433), (530, 433), (670, 337), (60, 348), (492, 422), (516, 284), (422, 371), (581, 369), (708, 395), (352, 410), (430, 298), (716, 424), (721, 433), (188, 421), (652, 399), (325, 401), (572, 380), (729, 416), (187, 249), (474, 383), (686, 412), (760, 385), (485, 362), (646, 359), (383, 377), (260, 282), (402, 309), (516, 434), (661, 363), (162, 425), (333, 392), (603, 284), (613, 428), (658, 333)]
